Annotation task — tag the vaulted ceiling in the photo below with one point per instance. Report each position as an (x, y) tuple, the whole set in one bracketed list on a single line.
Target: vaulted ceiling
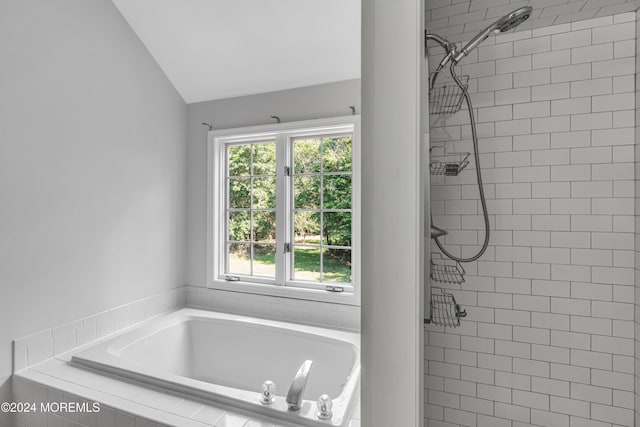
[(213, 49)]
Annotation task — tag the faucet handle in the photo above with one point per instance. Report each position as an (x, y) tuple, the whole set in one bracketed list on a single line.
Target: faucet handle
[(324, 407), (268, 393)]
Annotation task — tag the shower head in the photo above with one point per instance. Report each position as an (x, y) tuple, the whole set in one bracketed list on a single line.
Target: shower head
[(513, 19), (506, 23)]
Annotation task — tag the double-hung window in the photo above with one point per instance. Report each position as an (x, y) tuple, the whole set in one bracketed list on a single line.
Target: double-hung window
[(284, 209)]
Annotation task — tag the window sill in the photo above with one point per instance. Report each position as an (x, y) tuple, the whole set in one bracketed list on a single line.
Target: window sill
[(318, 295)]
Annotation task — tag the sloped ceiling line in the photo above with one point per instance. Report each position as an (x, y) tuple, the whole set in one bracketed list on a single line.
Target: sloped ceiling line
[(215, 49)]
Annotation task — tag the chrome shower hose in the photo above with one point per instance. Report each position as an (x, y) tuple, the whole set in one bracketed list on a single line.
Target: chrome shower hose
[(483, 201)]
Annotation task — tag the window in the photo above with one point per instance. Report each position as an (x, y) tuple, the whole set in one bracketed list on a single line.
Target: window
[(284, 209)]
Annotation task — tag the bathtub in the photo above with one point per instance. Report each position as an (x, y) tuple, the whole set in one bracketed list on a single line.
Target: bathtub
[(226, 358)]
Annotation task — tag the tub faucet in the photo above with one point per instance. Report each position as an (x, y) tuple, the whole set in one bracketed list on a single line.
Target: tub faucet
[(299, 383)]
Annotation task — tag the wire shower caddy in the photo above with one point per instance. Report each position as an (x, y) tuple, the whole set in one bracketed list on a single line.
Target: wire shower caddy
[(446, 271), (446, 96), (445, 311), (449, 165)]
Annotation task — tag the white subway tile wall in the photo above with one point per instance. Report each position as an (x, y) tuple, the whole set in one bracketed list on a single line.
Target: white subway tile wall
[(549, 337), (461, 19)]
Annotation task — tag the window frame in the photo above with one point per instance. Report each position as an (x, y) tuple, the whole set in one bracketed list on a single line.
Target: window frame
[(283, 134)]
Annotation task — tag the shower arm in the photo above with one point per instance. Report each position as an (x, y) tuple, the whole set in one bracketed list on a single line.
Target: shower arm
[(450, 48)]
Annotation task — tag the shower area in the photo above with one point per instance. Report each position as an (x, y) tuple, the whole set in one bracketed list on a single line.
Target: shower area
[(532, 135)]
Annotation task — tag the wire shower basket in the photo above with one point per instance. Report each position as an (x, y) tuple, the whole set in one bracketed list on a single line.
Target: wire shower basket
[(446, 96), (445, 311), (446, 271), (449, 165)]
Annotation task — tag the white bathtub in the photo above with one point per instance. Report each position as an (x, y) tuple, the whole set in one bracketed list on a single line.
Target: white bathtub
[(226, 358)]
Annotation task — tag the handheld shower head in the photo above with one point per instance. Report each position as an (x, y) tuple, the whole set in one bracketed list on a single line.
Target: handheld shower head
[(506, 23), (513, 19)]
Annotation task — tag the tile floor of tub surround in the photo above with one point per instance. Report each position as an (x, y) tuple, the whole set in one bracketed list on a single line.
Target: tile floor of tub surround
[(125, 403)]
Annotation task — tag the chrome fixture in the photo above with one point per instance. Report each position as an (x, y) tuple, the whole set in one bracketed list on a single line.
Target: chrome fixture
[(268, 393), (437, 232), (324, 405), (453, 55), (502, 25), (506, 23), (445, 311), (299, 383)]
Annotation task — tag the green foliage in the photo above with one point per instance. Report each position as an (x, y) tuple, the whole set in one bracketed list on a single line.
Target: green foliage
[(239, 226), (306, 156), (337, 228), (336, 156), (252, 185), (264, 226)]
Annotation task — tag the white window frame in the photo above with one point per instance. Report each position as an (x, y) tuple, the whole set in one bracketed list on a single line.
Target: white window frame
[(282, 133)]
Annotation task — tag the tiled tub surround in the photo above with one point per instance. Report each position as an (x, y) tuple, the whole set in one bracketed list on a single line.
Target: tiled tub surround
[(43, 345), (549, 337), (226, 358), (313, 313), (48, 343), (122, 404), (43, 372)]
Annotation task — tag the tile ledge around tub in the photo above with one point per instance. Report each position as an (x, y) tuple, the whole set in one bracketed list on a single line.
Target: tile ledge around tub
[(150, 403)]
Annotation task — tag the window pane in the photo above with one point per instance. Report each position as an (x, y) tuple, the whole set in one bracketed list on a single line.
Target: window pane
[(337, 228), (336, 265), (306, 192), (306, 156), (337, 192), (306, 227), (264, 159), (239, 192), (264, 226), (264, 193), (239, 159), (239, 226), (264, 260), (239, 258), (336, 154), (306, 263)]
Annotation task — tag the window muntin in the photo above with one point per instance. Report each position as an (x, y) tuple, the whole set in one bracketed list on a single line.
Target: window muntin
[(250, 209), (322, 208), (230, 224)]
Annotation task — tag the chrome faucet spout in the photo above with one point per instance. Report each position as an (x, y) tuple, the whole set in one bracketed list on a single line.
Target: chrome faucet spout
[(299, 383)]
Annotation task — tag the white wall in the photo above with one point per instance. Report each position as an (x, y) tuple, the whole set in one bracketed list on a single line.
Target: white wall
[(549, 337), (312, 102), (393, 222), (92, 167), (637, 229)]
